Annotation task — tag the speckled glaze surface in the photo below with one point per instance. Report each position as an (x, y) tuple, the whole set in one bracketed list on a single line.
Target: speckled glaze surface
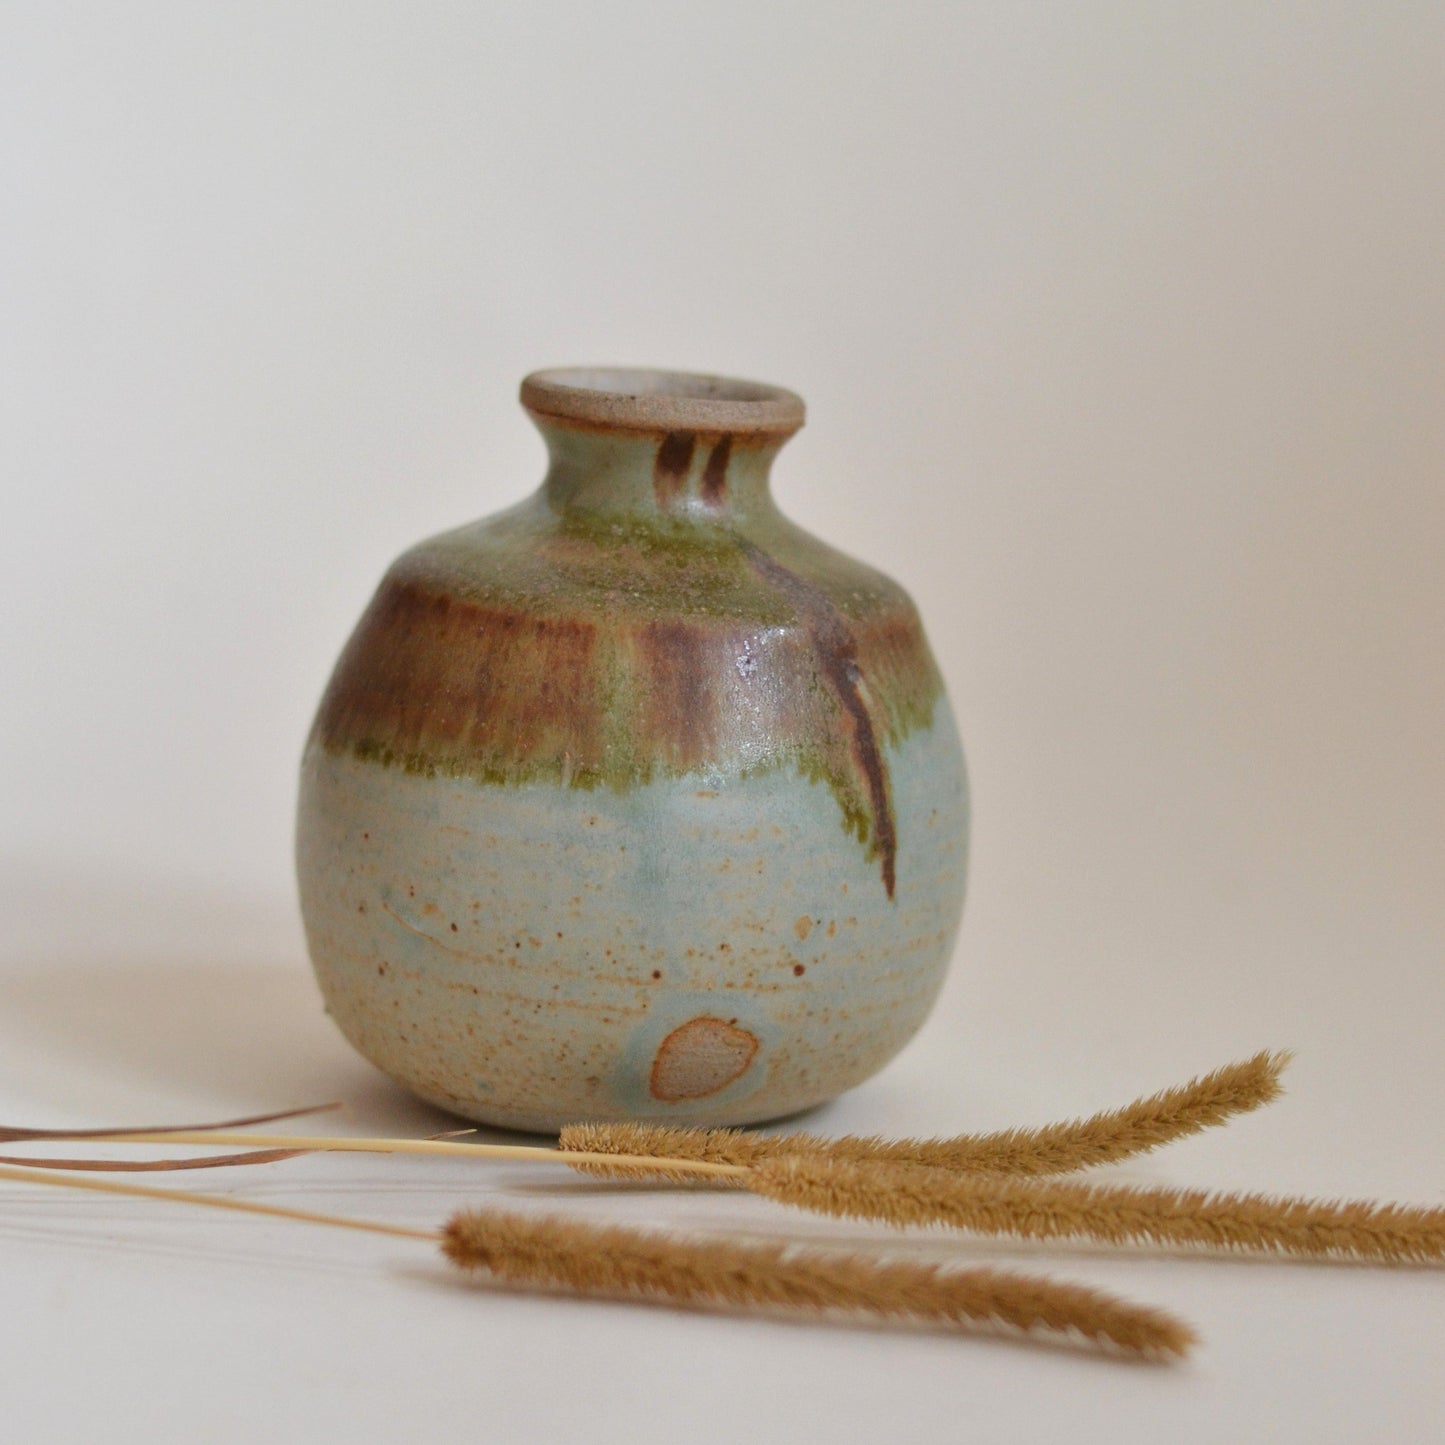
[(634, 801)]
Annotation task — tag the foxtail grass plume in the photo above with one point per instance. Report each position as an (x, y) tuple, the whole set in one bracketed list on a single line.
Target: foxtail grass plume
[(1102, 1138), (628, 1264), (583, 1259), (903, 1194)]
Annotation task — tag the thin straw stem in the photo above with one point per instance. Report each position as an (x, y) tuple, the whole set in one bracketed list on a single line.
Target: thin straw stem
[(11, 1134), (211, 1201), (157, 1166), (450, 1148)]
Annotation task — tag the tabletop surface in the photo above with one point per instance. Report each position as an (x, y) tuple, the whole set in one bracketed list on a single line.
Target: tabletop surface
[(122, 1001)]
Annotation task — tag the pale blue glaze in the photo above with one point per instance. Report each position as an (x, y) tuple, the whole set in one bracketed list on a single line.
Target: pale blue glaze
[(702, 881)]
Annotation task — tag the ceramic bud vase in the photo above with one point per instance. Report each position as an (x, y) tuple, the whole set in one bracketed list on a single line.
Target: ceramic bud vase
[(635, 800)]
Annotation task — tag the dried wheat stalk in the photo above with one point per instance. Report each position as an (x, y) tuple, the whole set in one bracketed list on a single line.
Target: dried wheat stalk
[(643, 1151), (903, 1194), (598, 1260), (1102, 1138), (626, 1263)]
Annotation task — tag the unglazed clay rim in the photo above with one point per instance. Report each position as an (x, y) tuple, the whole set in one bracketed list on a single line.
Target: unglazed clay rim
[(632, 399)]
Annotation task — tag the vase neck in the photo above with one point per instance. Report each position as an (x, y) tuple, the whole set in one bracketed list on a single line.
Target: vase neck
[(681, 475), (660, 445)]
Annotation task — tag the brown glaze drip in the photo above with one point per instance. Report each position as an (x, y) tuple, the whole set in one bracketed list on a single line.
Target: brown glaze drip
[(715, 473), (837, 652), (674, 460)]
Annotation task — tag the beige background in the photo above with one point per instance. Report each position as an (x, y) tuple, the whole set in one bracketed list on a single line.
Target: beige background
[(1122, 330)]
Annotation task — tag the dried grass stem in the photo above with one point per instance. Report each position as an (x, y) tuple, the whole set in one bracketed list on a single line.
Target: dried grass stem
[(644, 1167), (1102, 1138), (623, 1263), (903, 1194), (601, 1260)]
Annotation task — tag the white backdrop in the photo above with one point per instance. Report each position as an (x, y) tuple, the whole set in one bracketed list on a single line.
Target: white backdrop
[(1122, 329)]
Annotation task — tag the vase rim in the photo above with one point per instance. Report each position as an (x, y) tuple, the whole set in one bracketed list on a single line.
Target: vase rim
[(642, 399)]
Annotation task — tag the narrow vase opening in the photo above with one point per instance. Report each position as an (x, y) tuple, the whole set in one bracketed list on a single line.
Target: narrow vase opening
[(626, 399)]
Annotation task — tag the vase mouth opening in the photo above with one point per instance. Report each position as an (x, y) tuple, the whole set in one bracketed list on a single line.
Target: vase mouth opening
[(619, 398)]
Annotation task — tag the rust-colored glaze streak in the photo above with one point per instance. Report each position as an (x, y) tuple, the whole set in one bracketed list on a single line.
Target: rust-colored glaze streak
[(669, 471), (715, 473), (837, 652), (681, 710), (427, 674)]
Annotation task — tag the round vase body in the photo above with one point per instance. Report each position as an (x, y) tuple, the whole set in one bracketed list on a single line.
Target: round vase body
[(636, 800)]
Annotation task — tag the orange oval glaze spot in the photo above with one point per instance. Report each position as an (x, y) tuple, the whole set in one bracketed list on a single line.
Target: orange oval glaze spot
[(700, 1057)]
